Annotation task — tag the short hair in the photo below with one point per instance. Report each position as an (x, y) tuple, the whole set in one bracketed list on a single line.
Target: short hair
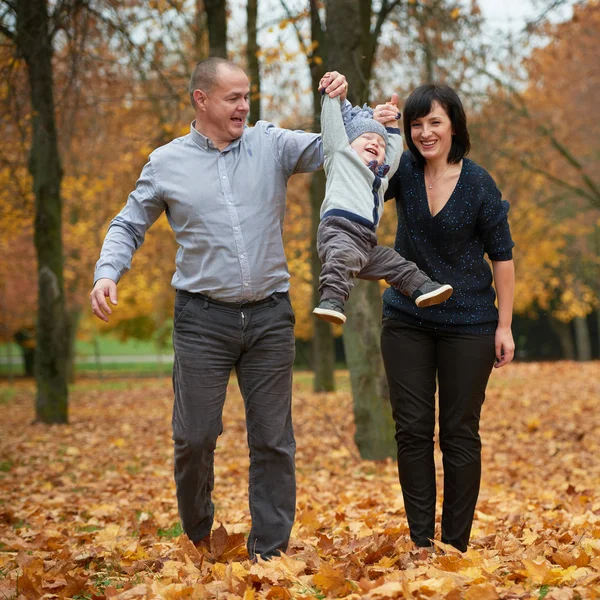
[(205, 74), (419, 104)]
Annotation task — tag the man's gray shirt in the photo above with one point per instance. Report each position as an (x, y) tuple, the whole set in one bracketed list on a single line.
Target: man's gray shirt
[(226, 209)]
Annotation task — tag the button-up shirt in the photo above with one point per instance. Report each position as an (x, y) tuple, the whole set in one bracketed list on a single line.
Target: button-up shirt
[(226, 209)]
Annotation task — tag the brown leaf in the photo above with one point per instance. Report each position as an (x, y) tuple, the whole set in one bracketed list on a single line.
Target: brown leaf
[(484, 591)]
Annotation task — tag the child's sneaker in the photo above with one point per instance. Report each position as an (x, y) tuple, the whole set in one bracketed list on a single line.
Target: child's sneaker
[(331, 311), (432, 292)]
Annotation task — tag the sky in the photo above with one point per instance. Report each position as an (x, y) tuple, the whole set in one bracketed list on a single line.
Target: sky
[(506, 14), (511, 15)]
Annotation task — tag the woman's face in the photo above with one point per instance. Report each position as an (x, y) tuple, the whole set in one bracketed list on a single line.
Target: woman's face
[(432, 134)]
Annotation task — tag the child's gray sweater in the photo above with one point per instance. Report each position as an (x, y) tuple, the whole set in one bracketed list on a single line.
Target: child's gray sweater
[(353, 191)]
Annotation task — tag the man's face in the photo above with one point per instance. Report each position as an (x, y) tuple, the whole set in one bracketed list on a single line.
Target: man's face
[(225, 107), (369, 146)]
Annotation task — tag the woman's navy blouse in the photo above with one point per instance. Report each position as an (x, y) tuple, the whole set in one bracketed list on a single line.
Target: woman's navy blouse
[(450, 247)]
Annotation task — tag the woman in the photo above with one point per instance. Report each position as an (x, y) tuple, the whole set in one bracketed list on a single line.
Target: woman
[(450, 213)]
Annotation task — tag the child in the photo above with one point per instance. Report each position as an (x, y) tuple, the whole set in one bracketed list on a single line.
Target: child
[(346, 239)]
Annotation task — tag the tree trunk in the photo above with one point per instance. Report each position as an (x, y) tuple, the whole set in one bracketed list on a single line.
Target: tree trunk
[(199, 29), (372, 412), (323, 348), (598, 330), (216, 16), (374, 435), (252, 59), (583, 340), (34, 43), (565, 337)]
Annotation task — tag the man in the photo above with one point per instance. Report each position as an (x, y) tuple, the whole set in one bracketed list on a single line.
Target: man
[(223, 189)]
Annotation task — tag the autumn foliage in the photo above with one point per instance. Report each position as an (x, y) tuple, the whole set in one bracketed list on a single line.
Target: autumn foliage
[(117, 101), (88, 510), (542, 148)]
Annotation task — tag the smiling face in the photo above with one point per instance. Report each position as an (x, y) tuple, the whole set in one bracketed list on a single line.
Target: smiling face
[(221, 112), (369, 146), (432, 134)]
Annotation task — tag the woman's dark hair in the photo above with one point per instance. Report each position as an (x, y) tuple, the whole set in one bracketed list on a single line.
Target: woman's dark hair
[(419, 104)]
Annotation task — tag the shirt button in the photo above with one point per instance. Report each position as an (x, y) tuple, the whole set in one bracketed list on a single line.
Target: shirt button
[(241, 256), (236, 228), (246, 284), (224, 176)]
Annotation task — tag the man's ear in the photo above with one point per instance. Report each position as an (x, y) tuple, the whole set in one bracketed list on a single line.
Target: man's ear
[(200, 99)]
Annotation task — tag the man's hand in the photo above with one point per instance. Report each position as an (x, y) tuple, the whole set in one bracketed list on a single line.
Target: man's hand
[(104, 288), (388, 114), (334, 84)]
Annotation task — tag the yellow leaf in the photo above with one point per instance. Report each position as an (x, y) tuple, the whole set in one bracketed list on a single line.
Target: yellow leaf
[(332, 581), (484, 591), (171, 569), (536, 572)]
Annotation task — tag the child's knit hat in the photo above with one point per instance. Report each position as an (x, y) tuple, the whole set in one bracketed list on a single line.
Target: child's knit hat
[(360, 125)]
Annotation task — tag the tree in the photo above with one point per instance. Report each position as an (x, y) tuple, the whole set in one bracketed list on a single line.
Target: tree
[(322, 343), (216, 13), (543, 149), (252, 60), (346, 40), (32, 40)]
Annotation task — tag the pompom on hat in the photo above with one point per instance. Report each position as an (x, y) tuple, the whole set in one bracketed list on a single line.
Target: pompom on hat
[(362, 122)]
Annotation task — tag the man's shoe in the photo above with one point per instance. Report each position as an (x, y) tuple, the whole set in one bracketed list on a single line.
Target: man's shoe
[(203, 545), (331, 311), (432, 292)]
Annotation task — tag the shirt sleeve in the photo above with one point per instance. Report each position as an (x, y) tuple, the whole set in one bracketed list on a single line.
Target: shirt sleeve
[(393, 151), (332, 125), (395, 188), (296, 151), (127, 230), (492, 222)]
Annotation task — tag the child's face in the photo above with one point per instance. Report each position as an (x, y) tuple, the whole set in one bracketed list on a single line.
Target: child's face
[(369, 146)]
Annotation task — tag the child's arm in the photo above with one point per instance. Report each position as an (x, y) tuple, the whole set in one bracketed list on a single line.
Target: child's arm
[(332, 126), (394, 147)]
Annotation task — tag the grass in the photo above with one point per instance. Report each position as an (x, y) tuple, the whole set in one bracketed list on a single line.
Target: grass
[(88, 369), (109, 346), (173, 531), (7, 394), (6, 466)]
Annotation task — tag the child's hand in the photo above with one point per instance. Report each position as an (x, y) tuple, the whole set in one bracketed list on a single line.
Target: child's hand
[(388, 114)]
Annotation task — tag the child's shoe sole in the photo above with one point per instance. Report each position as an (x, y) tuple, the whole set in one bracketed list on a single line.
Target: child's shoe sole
[(331, 316), (436, 297)]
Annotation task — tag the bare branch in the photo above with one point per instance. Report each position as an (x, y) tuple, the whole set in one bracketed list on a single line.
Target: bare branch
[(535, 23), (295, 26), (578, 191), (547, 133)]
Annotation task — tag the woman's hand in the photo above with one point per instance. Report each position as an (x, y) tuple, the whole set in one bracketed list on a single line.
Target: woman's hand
[(505, 346), (388, 114)]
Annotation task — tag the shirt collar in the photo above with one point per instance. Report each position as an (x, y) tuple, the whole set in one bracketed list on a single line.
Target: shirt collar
[(205, 143), (380, 170)]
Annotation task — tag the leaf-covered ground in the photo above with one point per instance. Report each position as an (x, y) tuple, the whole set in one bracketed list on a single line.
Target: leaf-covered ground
[(88, 510)]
